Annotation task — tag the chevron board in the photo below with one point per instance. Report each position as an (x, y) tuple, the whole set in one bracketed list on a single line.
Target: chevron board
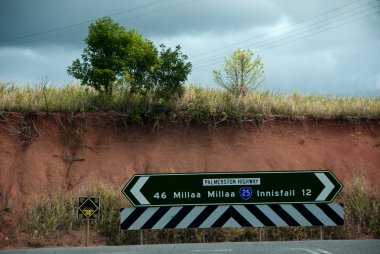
[(226, 216)]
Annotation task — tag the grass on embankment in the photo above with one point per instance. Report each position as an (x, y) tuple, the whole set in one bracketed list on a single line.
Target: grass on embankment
[(201, 105), (56, 215)]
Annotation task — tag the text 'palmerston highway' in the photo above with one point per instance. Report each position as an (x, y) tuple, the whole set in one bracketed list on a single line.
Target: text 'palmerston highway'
[(231, 181)]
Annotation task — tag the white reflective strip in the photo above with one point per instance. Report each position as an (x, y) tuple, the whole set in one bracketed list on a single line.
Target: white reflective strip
[(297, 216), (317, 212), (231, 223), (190, 217), (167, 217), (214, 216), (248, 216), (338, 209), (329, 186), (143, 218), (136, 190), (272, 215), (125, 213)]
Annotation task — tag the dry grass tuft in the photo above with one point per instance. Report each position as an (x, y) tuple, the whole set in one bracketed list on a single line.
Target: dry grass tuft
[(201, 105)]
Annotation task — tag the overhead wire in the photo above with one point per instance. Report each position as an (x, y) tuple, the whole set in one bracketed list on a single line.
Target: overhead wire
[(92, 20), (212, 60), (278, 45), (277, 30), (77, 24), (307, 29)]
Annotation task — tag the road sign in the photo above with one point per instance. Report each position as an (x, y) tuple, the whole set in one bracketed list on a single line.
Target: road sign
[(275, 215), (232, 188), (89, 208)]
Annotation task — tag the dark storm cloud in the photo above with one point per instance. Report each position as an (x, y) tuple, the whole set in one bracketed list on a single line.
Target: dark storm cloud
[(218, 16), (341, 59), (68, 20), (20, 18)]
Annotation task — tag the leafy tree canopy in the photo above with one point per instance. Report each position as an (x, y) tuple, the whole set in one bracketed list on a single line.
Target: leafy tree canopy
[(113, 54)]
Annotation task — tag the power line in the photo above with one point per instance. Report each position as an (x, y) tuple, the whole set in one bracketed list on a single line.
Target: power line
[(277, 30), (316, 33), (263, 44), (213, 62), (306, 36), (92, 20), (270, 40), (159, 10), (127, 19)]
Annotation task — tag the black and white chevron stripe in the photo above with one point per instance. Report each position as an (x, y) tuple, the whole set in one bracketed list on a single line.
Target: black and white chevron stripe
[(226, 216)]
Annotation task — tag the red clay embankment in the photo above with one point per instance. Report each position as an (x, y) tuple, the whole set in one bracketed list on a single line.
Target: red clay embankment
[(68, 152)]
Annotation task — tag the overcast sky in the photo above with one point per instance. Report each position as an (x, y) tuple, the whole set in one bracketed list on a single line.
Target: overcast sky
[(314, 46)]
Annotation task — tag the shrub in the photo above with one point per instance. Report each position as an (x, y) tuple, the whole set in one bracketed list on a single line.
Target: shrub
[(242, 73), (114, 56)]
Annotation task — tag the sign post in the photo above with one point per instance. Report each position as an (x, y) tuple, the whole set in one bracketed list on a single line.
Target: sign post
[(274, 187), (88, 209)]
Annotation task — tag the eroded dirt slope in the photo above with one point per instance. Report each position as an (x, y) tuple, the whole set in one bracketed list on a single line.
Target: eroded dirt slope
[(68, 152)]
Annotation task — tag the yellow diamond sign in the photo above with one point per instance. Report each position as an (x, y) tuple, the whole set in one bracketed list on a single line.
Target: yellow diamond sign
[(89, 208)]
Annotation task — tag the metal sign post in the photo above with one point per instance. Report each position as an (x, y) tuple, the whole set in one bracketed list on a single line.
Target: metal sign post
[(88, 209)]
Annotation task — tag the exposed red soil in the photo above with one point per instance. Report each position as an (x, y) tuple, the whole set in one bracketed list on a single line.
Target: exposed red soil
[(67, 153)]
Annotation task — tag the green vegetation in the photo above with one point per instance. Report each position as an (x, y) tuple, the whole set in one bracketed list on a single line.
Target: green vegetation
[(200, 105), (362, 210), (242, 73), (54, 216), (51, 216), (115, 57)]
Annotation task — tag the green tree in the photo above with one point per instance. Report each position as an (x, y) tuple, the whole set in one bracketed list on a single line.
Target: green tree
[(114, 54), (242, 72), (140, 62), (111, 52), (170, 74)]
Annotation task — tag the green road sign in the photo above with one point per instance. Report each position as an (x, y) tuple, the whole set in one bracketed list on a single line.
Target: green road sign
[(232, 188), (89, 208)]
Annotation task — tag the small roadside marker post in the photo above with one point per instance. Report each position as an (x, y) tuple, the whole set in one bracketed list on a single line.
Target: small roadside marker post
[(88, 209), (321, 233), (260, 234), (88, 232)]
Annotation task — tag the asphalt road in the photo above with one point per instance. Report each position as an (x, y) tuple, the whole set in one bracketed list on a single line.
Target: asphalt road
[(295, 247)]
